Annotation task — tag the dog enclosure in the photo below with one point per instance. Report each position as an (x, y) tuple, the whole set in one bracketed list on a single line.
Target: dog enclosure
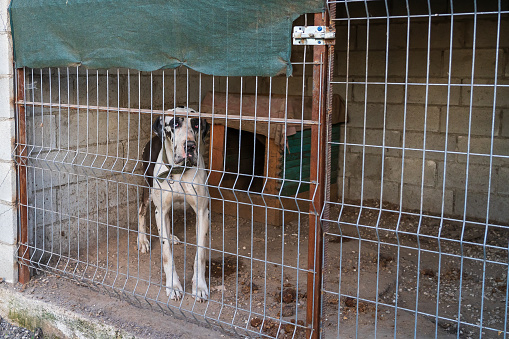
[(367, 193)]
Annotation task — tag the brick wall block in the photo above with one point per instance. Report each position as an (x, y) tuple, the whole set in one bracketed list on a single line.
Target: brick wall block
[(481, 146), (8, 235), (504, 130), (415, 118), (499, 205), (376, 93), (484, 95), (478, 177), (7, 86), (8, 263), (374, 115), (438, 92), (412, 171), (374, 137), (7, 182), (477, 204), (372, 188), (5, 53), (434, 142), (486, 33), (7, 143), (354, 165), (502, 180), (462, 63), (431, 199), (481, 121)]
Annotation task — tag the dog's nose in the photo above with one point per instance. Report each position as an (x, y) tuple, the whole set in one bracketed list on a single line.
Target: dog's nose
[(190, 146)]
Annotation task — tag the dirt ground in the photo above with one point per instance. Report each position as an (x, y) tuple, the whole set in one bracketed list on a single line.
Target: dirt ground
[(366, 275), (375, 269)]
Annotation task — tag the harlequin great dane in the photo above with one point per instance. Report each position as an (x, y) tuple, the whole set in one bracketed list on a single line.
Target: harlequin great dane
[(175, 172)]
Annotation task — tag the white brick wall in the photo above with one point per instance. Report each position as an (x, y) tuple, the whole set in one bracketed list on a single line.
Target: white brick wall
[(8, 229)]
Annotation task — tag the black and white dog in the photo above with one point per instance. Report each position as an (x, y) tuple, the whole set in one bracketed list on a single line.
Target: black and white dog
[(175, 171)]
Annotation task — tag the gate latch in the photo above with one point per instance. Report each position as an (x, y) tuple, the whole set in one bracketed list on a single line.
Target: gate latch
[(313, 35)]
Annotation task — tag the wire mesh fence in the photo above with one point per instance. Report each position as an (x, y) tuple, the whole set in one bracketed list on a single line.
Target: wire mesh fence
[(417, 245), (414, 226), (173, 189)]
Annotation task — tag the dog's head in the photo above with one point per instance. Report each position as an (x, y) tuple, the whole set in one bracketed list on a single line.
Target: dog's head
[(184, 133)]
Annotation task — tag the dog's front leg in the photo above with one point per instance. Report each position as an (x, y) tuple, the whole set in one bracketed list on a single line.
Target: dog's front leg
[(200, 289), (143, 242), (173, 287)]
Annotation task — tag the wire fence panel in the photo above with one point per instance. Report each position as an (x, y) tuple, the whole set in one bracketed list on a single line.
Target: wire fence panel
[(207, 218), (417, 244)]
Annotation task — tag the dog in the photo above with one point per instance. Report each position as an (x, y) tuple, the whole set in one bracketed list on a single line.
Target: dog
[(175, 172)]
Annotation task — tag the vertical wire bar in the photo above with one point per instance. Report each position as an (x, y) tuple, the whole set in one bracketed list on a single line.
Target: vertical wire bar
[(127, 159), (466, 174), (343, 174), (493, 116), (382, 174), (34, 206), (317, 175), (403, 145), (363, 170), (52, 248), (87, 176), (506, 311), (23, 251), (68, 78), (426, 96), (442, 209), (76, 157), (41, 149)]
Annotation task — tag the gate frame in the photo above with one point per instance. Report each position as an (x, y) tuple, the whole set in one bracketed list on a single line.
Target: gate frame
[(21, 171), (319, 186)]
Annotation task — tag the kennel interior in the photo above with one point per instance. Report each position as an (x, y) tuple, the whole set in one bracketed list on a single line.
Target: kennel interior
[(283, 151)]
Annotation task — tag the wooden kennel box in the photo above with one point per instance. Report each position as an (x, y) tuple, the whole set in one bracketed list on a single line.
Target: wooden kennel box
[(260, 165)]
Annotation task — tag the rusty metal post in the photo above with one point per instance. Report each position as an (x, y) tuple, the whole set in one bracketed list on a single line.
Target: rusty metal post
[(317, 189), (23, 251)]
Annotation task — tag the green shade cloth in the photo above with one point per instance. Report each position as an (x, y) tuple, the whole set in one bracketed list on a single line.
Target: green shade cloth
[(218, 37)]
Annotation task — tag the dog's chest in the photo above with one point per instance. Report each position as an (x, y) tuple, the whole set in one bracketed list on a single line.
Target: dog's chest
[(179, 187)]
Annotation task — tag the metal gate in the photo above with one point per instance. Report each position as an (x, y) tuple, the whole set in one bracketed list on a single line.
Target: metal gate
[(82, 182), (417, 245)]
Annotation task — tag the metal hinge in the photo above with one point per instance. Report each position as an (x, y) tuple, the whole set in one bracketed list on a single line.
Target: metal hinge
[(313, 35)]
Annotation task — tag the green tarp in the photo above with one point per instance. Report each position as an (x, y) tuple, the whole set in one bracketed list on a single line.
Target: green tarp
[(219, 37)]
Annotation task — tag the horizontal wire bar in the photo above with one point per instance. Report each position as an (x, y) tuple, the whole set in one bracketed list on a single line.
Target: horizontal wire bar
[(424, 215), (408, 310), (413, 16), (419, 149), (87, 281), (424, 84), (215, 116)]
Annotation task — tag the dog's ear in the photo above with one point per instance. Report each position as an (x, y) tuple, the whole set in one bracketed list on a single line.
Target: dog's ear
[(157, 127), (204, 128)]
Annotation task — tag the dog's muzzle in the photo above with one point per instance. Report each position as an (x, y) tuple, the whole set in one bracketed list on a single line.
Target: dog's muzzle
[(188, 155)]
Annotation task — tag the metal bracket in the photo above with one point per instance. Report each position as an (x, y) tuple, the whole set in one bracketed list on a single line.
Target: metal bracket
[(313, 35)]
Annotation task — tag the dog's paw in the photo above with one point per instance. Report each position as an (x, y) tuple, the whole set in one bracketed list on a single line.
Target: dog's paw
[(200, 292), (175, 240), (176, 291), (143, 243)]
